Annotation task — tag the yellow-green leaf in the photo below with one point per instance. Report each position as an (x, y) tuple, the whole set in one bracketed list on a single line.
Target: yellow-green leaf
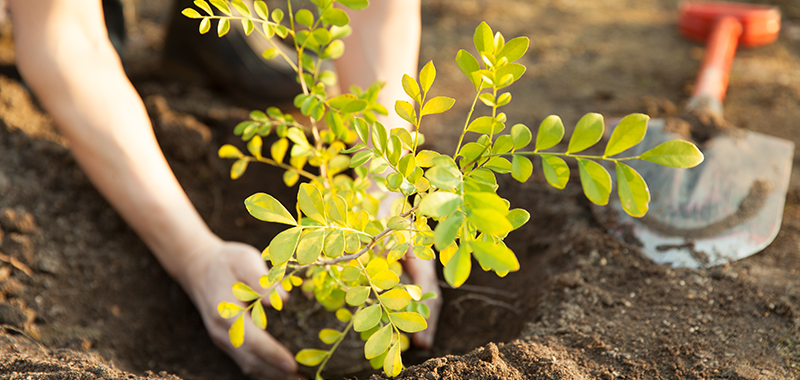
[(411, 88), (261, 9), (223, 27), (310, 200), (426, 77), (356, 296), (258, 315), (385, 279), (334, 243), (202, 4), (458, 267), (205, 25), (283, 245), (304, 17), (484, 39), (354, 4), (367, 318), (520, 136), (278, 149), (350, 273), (343, 315), (265, 207), (229, 151), (335, 16), (629, 132), (514, 49), (439, 204), (242, 292), (228, 310), (469, 66), (675, 154), (408, 321), (191, 13), (633, 192), (494, 256), (486, 125), (238, 168), (425, 158), (395, 299), (595, 180), (236, 332), (521, 168), (222, 6), (490, 221), (378, 343), (555, 171), (310, 246), (311, 357), (275, 300), (587, 133), (406, 111), (329, 336), (393, 364), (438, 104), (290, 177), (241, 7), (423, 252), (447, 230)]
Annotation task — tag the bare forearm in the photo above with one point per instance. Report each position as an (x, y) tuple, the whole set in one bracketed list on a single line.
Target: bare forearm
[(384, 46), (79, 80)]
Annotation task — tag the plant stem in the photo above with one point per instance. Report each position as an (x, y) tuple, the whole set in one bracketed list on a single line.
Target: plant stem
[(469, 116), (336, 344)]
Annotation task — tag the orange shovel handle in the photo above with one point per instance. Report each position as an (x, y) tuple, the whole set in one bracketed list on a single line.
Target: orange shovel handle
[(712, 81)]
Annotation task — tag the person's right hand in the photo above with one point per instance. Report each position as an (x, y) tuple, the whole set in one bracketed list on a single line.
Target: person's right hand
[(208, 280)]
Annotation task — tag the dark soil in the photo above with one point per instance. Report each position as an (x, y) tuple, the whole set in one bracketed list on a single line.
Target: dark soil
[(81, 296)]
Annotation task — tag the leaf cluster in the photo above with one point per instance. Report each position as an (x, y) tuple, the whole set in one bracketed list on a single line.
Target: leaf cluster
[(336, 247)]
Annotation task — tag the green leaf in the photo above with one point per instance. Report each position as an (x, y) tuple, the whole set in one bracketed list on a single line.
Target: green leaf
[(595, 180), (439, 204), (335, 16), (515, 70), (356, 296), (629, 132), (425, 158), (484, 39), (304, 17), (311, 357), (205, 25), (504, 99), (222, 6), (587, 133), (379, 137), (350, 273), (191, 13), (469, 66), (310, 200), (406, 165), (310, 246), (277, 15), (241, 7), (406, 111), (334, 51), (393, 149), (334, 243), (283, 245), (443, 178), (367, 318), (248, 26), (409, 322), (270, 53), (395, 299), (378, 343), (498, 165), (223, 27), (633, 192), (514, 49), (337, 209), (423, 251), (489, 221), (229, 151), (675, 154), (329, 336), (458, 268), (238, 168), (520, 135), (393, 364), (385, 279), (447, 230), (322, 35), (354, 4), (438, 104), (555, 171), (290, 177), (258, 316), (411, 87), (236, 332), (486, 125), (275, 299), (202, 4), (518, 217), (228, 310), (265, 207), (426, 76), (242, 292), (361, 158), (261, 9), (521, 168), (494, 256)]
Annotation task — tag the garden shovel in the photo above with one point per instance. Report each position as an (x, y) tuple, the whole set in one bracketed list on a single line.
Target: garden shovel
[(730, 206)]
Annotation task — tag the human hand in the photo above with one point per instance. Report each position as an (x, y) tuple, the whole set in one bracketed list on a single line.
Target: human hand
[(208, 280), (423, 273)]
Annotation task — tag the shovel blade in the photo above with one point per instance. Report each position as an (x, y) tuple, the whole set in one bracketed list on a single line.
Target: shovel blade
[(725, 209)]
